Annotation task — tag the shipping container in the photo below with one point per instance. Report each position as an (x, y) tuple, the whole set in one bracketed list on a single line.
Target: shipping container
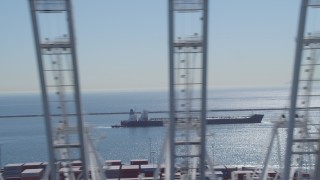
[(33, 165), (76, 163), (12, 178), (17, 166), (138, 161), (113, 162), (129, 168), (32, 174), (112, 171), (148, 170), (241, 175), (129, 175), (12, 171)]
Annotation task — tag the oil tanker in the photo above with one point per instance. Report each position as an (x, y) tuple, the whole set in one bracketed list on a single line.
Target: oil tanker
[(144, 121)]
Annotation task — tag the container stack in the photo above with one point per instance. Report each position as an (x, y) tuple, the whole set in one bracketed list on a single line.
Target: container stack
[(112, 171), (27, 171), (129, 171), (13, 171), (148, 170), (32, 174)]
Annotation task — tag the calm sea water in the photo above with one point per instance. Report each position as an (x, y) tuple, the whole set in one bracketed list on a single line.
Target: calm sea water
[(24, 140)]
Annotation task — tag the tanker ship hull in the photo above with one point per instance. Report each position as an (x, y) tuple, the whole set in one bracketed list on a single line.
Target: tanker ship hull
[(255, 118)]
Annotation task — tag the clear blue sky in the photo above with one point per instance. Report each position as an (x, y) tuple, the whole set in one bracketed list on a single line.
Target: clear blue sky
[(122, 44)]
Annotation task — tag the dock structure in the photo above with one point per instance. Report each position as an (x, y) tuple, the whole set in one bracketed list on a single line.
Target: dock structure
[(57, 65), (186, 142)]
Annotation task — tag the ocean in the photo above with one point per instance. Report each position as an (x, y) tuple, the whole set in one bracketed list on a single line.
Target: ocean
[(24, 139)]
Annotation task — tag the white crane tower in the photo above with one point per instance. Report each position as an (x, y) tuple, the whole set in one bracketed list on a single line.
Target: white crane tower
[(302, 160), (186, 142), (302, 152), (57, 64)]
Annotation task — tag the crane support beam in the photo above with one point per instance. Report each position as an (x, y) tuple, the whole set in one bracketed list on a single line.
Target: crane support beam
[(56, 53)]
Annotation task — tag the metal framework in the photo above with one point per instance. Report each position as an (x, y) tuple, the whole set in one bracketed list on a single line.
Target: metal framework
[(58, 72), (188, 22), (302, 152)]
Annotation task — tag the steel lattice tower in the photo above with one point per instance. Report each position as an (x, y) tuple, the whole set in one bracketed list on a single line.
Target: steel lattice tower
[(188, 20), (58, 72), (302, 152)]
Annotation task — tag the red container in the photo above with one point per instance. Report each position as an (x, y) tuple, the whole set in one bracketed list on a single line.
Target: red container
[(76, 163), (148, 174), (12, 178), (129, 175), (272, 173), (33, 165), (112, 162), (139, 161), (129, 169), (32, 174)]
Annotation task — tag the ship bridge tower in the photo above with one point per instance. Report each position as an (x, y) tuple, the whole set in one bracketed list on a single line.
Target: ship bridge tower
[(186, 142), (302, 151), (57, 64)]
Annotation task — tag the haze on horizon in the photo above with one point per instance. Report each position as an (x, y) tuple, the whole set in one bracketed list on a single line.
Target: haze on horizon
[(123, 44)]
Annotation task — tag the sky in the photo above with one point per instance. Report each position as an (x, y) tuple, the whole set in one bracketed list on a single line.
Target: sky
[(122, 44)]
